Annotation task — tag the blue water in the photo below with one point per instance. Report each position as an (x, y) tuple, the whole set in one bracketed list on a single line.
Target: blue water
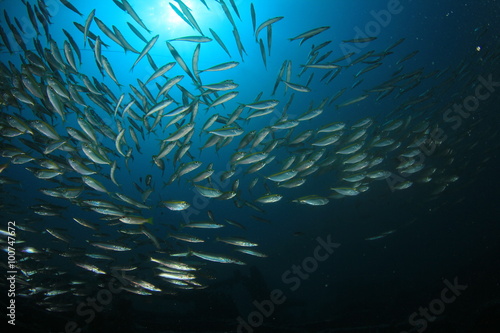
[(364, 284)]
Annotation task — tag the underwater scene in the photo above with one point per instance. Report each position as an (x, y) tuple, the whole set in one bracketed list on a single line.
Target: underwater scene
[(249, 166)]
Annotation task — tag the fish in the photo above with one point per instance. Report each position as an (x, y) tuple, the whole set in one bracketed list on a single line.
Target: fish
[(327, 140), (237, 241), (146, 49), (160, 107), (123, 42), (216, 258), (221, 43), (297, 87), (47, 173), (224, 98), (181, 15), (309, 34), (350, 149), (221, 67), (263, 52), (252, 253), (345, 191), (130, 10), (93, 183), (222, 86), (360, 40), (137, 32), (308, 115), (208, 192), (188, 167), (203, 225), (269, 198), (323, 66), (161, 71), (407, 57), (254, 20), (382, 235), (109, 70), (91, 268), (88, 22), (227, 131), (180, 61), (263, 105), (239, 44), (313, 200), (235, 8), (110, 246), (169, 85), (395, 44), (85, 223), (283, 175), (269, 38), (181, 132), (131, 201), (252, 158), (292, 183), (187, 12), (175, 205), (187, 238), (367, 69), (70, 6), (194, 39), (227, 12), (205, 3), (352, 101), (45, 129), (265, 24)]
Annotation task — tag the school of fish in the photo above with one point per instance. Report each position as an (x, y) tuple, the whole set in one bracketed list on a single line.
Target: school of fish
[(76, 135)]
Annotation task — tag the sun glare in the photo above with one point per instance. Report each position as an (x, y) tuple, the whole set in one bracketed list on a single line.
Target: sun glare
[(165, 17)]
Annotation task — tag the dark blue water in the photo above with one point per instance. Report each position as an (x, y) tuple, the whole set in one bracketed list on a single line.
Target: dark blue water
[(439, 232)]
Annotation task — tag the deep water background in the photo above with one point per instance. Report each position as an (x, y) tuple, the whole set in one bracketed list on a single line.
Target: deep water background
[(363, 283)]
